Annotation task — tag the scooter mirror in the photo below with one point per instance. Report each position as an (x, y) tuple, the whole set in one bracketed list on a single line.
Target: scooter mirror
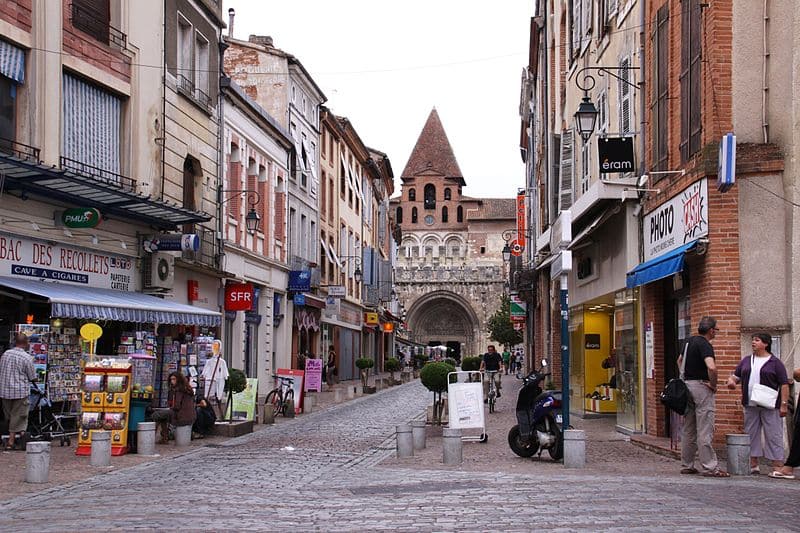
[(544, 362)]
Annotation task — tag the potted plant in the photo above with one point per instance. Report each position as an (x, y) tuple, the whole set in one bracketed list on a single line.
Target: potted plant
[(434, 377), (364, 364), (471, 364), (392, 365), (236, 383)]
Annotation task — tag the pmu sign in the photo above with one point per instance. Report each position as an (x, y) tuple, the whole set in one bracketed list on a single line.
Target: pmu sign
[(238, 296)]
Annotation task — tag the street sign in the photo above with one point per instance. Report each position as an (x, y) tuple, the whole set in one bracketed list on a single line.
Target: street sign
[(338, 291), (299, 299), (81, 217)]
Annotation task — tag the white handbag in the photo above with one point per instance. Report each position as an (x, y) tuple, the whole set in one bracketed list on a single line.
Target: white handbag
[(762, 395)]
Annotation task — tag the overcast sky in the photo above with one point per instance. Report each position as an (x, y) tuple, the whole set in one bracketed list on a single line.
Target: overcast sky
[(385, 65)]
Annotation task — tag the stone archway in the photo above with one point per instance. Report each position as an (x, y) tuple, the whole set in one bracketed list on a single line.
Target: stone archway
[(443, 317)]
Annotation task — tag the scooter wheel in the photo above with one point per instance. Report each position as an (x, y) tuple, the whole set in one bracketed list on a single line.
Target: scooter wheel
[(557, 451), (484, 439), (520, 446)]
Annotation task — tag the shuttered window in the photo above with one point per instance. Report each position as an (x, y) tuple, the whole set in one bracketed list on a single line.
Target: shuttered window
[(91, 125), (691, 55), (660, 98), (625, 97), (566, 171), (576, 28), (555, 172)]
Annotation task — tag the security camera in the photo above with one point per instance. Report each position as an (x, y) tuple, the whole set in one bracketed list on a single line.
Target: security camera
[(642, 180)]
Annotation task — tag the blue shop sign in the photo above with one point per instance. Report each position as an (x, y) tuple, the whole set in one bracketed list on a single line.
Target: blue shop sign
[(299, 280), (299, 299)]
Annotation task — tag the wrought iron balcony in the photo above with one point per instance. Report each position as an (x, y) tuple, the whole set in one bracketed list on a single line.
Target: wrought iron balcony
[(186, 86), (22, 151), (93, 23), (207, 254), (203, 99), (99, 174)]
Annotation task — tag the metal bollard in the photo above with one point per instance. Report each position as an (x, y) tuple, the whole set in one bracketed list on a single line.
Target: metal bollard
[(289, 413), (101, 448), (37, 462), (337, 395), (269, 414), (308, 405), (146, 438), (419, 433), (405, 442), (452, 446), (738, 454), (574, 448), (183, 436)]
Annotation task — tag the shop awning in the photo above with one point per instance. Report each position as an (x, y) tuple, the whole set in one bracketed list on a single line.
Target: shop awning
[(72, 301), (659, 267)]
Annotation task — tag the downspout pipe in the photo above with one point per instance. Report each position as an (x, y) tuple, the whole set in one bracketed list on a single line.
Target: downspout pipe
[(224, 83)]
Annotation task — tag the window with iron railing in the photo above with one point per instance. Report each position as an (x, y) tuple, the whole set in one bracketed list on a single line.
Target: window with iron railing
[(93, 17)]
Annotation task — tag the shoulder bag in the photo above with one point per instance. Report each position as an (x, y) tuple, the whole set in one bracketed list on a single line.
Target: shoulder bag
[(762, 395), (675, 395)]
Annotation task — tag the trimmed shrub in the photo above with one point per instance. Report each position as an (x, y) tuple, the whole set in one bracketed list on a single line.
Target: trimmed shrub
[(392, 365), (236, 382), (434, 376), (364, 363), (471, 364)]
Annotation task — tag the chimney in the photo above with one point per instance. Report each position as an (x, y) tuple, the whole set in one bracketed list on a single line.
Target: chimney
[(231, 14), (263, 40)]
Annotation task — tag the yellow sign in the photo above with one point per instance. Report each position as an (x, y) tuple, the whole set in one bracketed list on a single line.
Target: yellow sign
[(91, 332), (371, 319)]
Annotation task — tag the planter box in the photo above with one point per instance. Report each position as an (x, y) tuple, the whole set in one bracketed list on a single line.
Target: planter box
[(369, 390), (236, 428)]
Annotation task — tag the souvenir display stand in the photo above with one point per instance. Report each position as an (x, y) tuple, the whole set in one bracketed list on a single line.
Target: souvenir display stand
[(142, 390), (105, 402)]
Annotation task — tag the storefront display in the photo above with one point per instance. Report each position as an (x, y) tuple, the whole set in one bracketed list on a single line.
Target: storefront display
[(38, 337)]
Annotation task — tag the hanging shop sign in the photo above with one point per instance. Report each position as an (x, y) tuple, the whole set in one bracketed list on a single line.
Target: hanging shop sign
[(299, 299), (678, 221), (371, 319), (173, 242), (615, 154), (521, 219), (238, 296), (516, 248), (299, 280), (726, 167), (192, 290), (388, 327), (518, 308), (336, 290), (28, 258), (81, 217)]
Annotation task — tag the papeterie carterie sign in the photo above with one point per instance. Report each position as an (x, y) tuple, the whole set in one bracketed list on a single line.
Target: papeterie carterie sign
[(34, 259), (616, 154), (678, 221)]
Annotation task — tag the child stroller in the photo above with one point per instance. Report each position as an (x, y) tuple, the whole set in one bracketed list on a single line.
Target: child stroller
[(43, 424)]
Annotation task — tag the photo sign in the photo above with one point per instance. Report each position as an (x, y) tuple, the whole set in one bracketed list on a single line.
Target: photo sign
[(33, 259), (678, 221), (615, 154)]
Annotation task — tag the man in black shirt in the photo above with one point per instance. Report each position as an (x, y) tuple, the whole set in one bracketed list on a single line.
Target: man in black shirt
[(700, 375), (492, 364)]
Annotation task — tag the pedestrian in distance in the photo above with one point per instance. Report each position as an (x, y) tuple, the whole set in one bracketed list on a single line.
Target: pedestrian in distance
[(506, 359), (181, 409), (793, 461), (700, 375), (330, 368), (492, 364), (519, 360), (16, 375), (763, 368)]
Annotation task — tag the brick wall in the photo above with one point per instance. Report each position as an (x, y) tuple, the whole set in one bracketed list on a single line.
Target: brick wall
[(17, 13), (85, 47)]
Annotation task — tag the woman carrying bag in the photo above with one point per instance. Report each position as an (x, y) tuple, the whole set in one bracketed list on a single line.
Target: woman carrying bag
[(765, 397)]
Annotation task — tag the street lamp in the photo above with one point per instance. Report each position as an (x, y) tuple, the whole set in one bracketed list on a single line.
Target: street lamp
[(585, 118), (586, 115), (357, 274), (251, 219), (506, 253)]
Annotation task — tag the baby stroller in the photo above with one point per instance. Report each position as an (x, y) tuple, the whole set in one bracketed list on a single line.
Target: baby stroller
[(43, 424)]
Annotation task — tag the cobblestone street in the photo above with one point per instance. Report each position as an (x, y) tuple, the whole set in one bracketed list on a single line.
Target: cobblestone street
[(334, 470)]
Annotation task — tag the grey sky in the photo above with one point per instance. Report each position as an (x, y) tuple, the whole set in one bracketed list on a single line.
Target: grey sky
[(385, 65)]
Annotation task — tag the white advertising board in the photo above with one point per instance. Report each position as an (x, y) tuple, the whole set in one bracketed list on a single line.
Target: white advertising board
[(678, 221), (465, 404)]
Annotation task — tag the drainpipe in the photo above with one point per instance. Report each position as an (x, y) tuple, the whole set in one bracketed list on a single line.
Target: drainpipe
[(224, 82), (764, 83), (547, 171)]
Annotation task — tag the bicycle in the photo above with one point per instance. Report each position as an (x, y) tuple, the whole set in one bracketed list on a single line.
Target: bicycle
[(492, 395), (280, 396)]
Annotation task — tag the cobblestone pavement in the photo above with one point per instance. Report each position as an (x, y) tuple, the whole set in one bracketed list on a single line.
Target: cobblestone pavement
[(330, 471)]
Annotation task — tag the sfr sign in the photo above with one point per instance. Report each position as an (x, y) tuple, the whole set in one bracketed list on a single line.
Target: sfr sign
[(238, 296)]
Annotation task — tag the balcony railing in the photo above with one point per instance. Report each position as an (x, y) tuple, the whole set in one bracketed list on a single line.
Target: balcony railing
[(207, 254), (202, 98), (19, 150), (186, 86), (91, 22), (98, 174)]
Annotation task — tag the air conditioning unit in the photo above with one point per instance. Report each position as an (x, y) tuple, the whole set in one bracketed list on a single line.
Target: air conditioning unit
[(159, 271)]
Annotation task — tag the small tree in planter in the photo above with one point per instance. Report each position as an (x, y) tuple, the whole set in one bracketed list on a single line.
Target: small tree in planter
[(471, 364), (364, 364), (391, 365), (236, 383), (434, 377)]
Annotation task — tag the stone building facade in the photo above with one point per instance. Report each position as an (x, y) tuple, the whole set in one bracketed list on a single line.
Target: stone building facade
[(449, 274)]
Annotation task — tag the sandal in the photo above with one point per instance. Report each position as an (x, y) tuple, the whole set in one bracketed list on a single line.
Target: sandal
[(716, 473), (689, 471), (777, 474), (755, 471)]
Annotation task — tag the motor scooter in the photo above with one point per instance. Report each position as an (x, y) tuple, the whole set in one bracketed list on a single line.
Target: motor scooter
[(538, 418)]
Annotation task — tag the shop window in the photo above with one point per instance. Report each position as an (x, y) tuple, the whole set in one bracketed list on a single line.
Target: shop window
[(413, 215), (447, 194), (412, 195), (399, 216), (430, 196)]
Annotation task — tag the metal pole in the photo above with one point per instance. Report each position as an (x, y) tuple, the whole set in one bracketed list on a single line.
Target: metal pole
[(564, 351)]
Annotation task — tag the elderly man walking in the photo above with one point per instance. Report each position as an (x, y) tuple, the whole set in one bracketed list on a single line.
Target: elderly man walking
[(16, 375)]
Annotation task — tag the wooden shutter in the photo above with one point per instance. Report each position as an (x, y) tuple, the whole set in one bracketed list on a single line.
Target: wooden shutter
[(555, 172), (625, 97), (660, 96), (695, 65), (586, 21), (566, 172), (576, 27)]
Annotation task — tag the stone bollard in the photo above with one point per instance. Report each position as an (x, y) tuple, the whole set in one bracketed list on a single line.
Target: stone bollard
[(405, 441), (268, 414), (418, 431), (452, 446), (183, 436), (738, 454), (146, 438), (308, 405), (289, 413), (378, 384), (101, 448), (574, 448), (37, 462), (351, 392), (337, 395)]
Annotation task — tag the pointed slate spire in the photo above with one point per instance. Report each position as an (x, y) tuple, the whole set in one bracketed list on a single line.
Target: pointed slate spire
[(433, 152)]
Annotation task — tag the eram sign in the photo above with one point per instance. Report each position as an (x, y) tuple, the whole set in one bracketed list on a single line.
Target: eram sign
[(616, 154), (238, 296)]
